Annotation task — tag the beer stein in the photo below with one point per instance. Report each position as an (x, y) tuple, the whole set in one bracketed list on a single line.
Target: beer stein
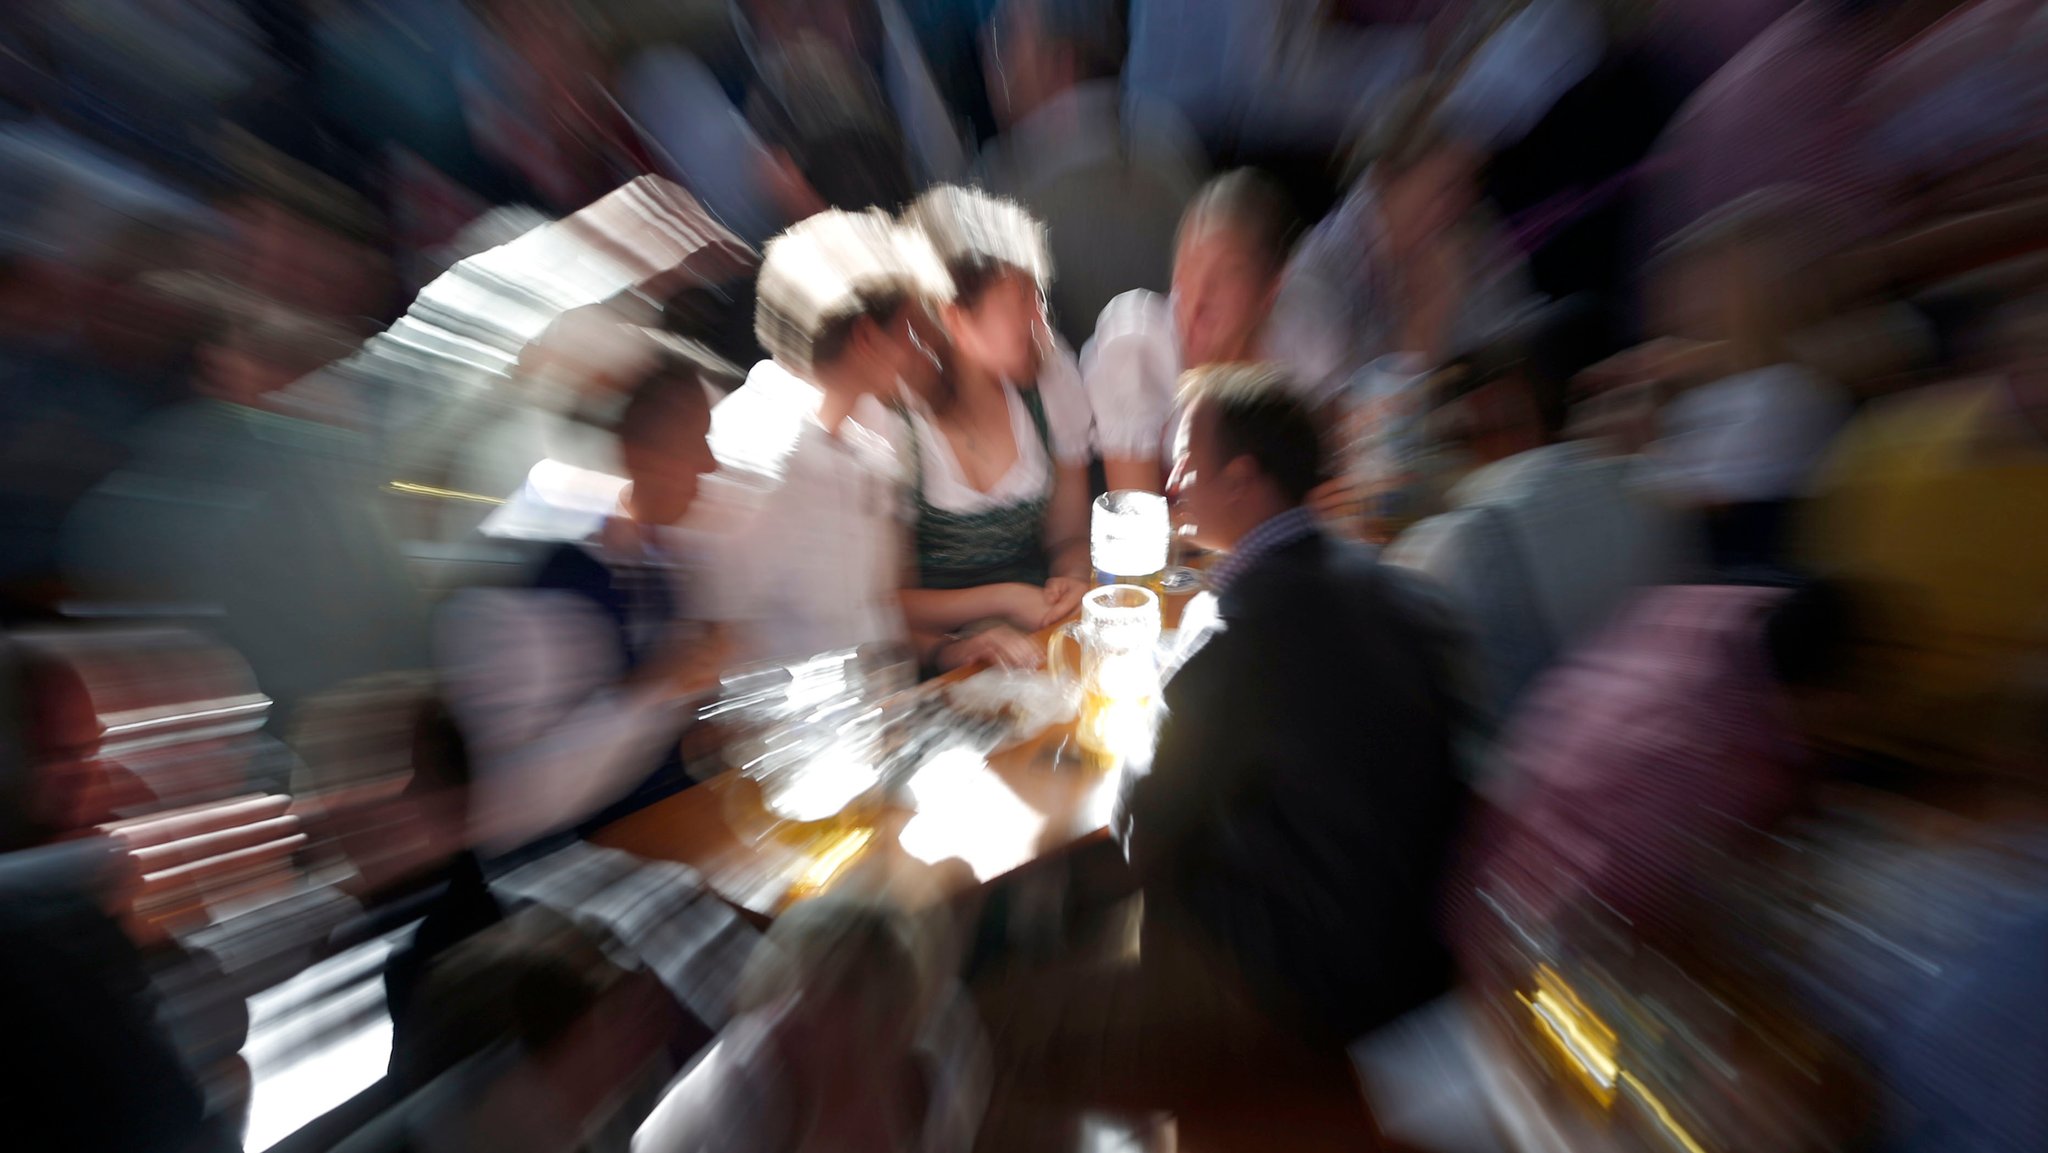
[(1129, 534), (1117, 673)]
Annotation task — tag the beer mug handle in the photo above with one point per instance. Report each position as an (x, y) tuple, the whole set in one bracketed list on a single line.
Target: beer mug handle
[(1056, 649)]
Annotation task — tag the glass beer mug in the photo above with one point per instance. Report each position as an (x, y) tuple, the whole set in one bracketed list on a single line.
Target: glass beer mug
[(1118, 671), (1129, 536)]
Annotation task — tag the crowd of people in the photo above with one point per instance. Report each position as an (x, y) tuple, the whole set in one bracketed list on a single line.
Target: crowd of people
[(1607, 430)]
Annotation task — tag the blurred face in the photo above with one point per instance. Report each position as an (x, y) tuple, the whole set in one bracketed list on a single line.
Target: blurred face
[(1222, 290), (886, 352), (1201, 485), (1423, 203), (1000, 332), (665, 465)]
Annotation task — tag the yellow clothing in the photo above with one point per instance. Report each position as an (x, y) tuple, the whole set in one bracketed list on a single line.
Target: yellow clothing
[(1938, 501)]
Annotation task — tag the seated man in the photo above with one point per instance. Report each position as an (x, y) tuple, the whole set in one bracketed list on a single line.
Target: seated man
[(568, 693), (1290, 835), (570, 697), (806, 511)]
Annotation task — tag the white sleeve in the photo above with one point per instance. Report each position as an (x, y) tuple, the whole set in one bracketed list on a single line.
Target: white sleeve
[(1129, 370), (1067, 415), (533, 679)]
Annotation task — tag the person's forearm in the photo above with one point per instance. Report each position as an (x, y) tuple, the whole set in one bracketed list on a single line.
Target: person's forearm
[(1141, 473), (943, 610), (1070, 559), (1066, 524)]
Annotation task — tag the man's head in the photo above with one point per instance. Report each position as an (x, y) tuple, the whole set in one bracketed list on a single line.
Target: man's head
[(1247, 450), (1036, 49), (835, 296), (662, 440), (995, 254), (1233, 245)]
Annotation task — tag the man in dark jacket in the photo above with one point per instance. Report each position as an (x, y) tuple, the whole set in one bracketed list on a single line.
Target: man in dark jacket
[(1302, 792), (1290, 836)]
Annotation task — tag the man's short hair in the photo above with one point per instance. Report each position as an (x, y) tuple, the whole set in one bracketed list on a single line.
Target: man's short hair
[(1250, 202), (1257, 412), (674, 385), (825, 274), (980, 238)]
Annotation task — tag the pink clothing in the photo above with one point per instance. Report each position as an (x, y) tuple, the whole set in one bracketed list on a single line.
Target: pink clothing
[(1782, 112), (1663, 735), (1695, 38)]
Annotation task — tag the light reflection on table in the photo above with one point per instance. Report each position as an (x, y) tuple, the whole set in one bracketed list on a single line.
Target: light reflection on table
[(965, 811)]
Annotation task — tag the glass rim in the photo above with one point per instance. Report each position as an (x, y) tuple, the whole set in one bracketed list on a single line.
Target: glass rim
[(1120, 596)]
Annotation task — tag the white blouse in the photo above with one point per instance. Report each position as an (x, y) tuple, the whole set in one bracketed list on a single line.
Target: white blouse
[(805, 529), (1069, 425), (1130, 369), (1131, 372)]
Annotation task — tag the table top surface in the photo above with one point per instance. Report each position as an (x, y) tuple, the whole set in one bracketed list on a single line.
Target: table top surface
[(961, 814)]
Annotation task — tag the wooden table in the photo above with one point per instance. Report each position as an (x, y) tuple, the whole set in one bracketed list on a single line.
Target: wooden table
[(988, 817)]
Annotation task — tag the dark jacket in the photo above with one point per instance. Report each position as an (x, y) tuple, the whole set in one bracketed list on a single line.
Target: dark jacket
[(1303, 795)]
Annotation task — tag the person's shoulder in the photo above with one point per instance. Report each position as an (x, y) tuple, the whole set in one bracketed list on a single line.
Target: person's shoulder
[(889, 419), (756, 427), (1294, 577)]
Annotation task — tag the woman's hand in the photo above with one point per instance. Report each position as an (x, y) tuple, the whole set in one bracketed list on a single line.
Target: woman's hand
[(1022, 606), (1062, 597), (1001, 646)]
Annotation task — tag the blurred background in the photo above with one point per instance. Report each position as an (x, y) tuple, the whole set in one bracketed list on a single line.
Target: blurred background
[(295, 295)]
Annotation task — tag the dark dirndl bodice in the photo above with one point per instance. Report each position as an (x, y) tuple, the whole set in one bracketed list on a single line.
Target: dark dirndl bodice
[(958, 550)]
